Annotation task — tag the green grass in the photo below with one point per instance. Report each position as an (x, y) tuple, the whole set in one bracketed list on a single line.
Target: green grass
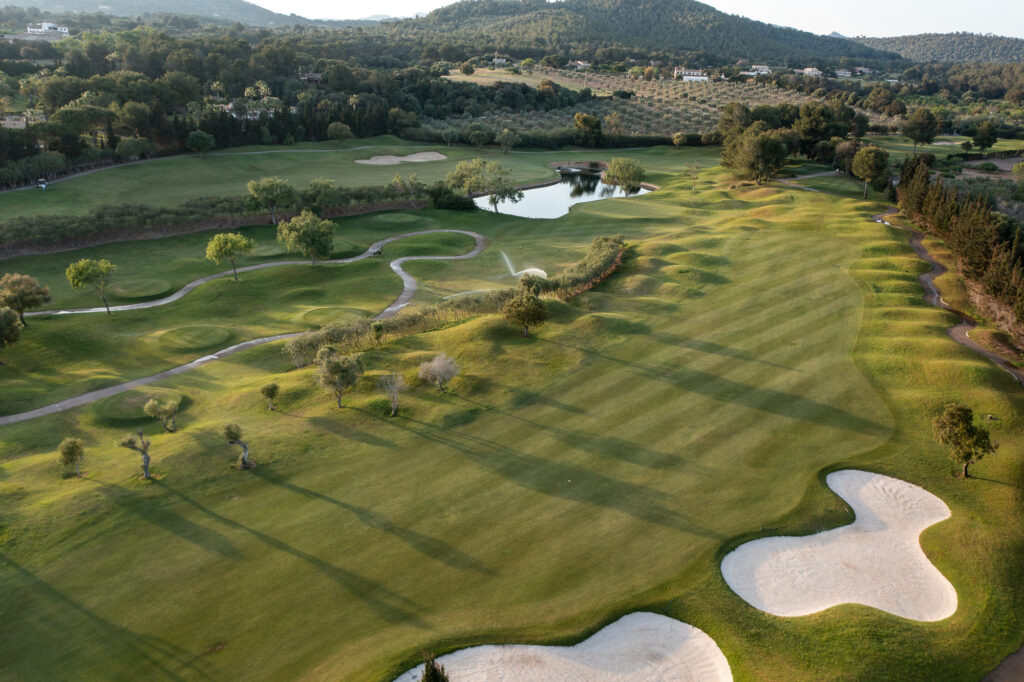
[(754, 340), (899, 147), (171, 181), (44, 367)]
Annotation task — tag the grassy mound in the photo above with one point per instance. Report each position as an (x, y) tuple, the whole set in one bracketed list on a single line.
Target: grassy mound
[(271, 250), (127, 406), (195, 337), (141, 288)]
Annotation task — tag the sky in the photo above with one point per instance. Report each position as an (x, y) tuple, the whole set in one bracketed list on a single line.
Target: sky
[(866, 17)]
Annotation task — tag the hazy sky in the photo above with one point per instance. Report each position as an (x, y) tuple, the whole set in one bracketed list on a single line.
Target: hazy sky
[(866, 17)]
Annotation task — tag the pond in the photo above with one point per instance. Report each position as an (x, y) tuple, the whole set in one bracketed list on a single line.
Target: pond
[(554, 201)]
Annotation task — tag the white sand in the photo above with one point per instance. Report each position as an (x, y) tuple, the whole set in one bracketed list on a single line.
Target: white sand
[(640, 647), (877, 560), (388, 160)]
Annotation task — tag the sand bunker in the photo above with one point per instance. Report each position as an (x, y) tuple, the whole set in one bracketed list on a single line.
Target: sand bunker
[(640, 647), (388, 160), (877, 560)]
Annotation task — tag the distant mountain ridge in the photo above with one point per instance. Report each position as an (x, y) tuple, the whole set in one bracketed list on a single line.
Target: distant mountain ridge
[(220, 10), (951, 47), (668, 25)]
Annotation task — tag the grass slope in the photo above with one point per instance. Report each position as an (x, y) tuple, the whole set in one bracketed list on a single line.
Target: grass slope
[(753, 340)]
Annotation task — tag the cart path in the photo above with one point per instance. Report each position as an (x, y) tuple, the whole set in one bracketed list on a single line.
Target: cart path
[(396, 265), (959, 332), (409, 288)]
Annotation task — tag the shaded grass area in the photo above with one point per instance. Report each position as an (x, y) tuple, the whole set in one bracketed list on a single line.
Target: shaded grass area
[(755, 340)]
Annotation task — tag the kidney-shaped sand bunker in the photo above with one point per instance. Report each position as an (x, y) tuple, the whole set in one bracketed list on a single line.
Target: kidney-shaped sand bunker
[(640, 647), (876, 561)]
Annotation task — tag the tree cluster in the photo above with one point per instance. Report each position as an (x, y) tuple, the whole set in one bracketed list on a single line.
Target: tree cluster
[(987, 246)]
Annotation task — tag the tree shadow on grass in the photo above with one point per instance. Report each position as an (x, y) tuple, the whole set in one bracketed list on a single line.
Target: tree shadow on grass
[(600, 444), (715, 349), (150, 657), (350, 432), (386, 603), (767, 400), (557, 479), (433, 548), (151, 509)]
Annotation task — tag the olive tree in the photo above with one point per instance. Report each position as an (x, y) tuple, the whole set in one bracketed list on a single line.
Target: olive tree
[(392, 385), (625, 172), (967, 442), (484, 177), (93, 273), (72, 452), (308, 235), (272, 194), (321, 194), (228, 246), (338, 373), (166, 412), (10, 328), (379, 331), (526, 310), (920, 127), (200, 141), (984, 136), (439, 371), (507, 139), (139, 445), (339, 132), (270, 392), (21, 293), (407, 189), (233, 435), (869, 164)]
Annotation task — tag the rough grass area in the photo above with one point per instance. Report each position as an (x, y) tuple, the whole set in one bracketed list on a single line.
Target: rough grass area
[(754, 340)]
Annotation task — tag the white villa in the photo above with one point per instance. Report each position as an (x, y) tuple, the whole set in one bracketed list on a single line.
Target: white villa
[(843, 73), (760, 69), (810, 71), (579, 65), (46, 27), (689, 76), (13, 121)]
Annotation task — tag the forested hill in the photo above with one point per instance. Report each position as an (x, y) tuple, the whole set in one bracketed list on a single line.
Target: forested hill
[(221, 10), (671, 26), (951, 47)]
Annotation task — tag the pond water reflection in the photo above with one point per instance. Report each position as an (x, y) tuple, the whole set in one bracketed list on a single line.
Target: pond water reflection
[(554, 201)]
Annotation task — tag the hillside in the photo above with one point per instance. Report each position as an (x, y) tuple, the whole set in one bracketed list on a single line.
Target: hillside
[(671, 26), (222, 10), (951, 47)]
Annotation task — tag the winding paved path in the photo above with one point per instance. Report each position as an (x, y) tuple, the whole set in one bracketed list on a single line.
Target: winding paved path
[(959, 332), (409, 288)]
